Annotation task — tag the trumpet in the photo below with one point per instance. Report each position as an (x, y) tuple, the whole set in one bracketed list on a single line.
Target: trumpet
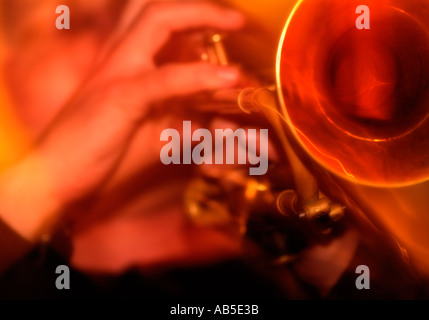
[(350, 108)]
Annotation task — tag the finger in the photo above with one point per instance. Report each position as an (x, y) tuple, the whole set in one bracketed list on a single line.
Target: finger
[(134, 95), (131, 11), (160, 19), (185, 79)]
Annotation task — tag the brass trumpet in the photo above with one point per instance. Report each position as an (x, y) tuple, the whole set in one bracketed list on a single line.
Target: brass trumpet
[(350, 108)]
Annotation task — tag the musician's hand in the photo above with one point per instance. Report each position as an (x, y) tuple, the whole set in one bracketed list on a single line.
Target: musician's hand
[(85, 142)]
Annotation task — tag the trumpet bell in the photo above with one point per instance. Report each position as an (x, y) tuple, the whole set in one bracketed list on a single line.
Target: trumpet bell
[(357, 100)]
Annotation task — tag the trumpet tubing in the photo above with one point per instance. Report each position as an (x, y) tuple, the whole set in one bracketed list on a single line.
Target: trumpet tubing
[(357, 101)]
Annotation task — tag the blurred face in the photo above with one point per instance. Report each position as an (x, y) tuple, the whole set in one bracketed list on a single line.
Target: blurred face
[(46, 65)]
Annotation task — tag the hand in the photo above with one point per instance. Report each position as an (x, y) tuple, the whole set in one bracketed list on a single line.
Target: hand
[(134, 59), (84, 144)]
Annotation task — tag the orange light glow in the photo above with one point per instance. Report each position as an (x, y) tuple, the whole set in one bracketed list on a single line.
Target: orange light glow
[(356, 99)]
